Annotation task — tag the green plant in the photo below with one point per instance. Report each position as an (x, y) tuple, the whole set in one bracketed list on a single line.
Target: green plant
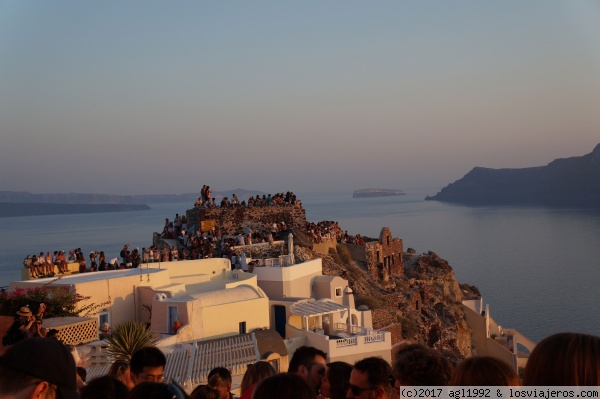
[(60, 301), (126, 338)]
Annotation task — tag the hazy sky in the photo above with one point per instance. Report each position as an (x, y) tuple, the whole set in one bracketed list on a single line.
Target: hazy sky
[(134, 97)]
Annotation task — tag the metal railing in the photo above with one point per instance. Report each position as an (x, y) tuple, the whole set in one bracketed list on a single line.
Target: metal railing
[(352, 341), (282, 261), (375, 336), (356, 330)]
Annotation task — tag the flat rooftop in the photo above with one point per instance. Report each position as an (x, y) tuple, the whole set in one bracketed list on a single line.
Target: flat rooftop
[(79, 278)]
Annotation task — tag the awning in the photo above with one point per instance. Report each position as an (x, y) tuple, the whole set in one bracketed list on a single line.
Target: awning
[(316, 308)]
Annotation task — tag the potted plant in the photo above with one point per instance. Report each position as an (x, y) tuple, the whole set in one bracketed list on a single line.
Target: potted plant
[(176, 324)]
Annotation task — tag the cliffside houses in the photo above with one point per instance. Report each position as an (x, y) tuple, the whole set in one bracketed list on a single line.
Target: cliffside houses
[(491, 339), (228, 317)]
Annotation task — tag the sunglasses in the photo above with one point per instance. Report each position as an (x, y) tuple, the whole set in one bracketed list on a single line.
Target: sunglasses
[(356, 391)]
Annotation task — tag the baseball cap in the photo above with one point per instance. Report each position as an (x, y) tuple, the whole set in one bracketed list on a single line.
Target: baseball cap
[(47, 359)]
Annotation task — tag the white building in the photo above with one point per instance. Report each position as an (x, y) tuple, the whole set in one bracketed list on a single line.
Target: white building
[(214, 305)]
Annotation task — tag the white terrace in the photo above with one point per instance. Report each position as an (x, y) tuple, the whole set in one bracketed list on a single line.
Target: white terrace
[(189, 363)]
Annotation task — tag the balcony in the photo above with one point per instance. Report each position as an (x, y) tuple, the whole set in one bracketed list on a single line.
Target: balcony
[(339, 340)]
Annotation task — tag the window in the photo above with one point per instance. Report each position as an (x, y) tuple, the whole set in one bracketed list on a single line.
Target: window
[(173, 317), (242, 327), (275, 363), (338, 292), (103, 318)]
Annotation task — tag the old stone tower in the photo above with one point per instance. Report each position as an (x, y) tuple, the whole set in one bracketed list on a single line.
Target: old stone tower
[(384, 257)]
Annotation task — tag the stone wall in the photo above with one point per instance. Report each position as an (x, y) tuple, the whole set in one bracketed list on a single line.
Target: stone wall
[(324, 246), (384, 257), (383, 317), (230, 220), (396, 331)]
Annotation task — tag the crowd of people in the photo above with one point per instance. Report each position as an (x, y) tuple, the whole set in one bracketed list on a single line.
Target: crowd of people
[(173, 229), (27, 324), (328, 230), (191, 244), (43, 265), (42, 367), (205, 200), (50, 264), (197, 244)]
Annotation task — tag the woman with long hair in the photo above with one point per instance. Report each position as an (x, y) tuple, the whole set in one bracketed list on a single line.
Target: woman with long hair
[(482, 371), (336, 381), (120, 370), (567, 359), (254, 373)]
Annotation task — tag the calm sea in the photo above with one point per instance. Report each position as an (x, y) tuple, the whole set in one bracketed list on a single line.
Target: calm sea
[(537, 268)]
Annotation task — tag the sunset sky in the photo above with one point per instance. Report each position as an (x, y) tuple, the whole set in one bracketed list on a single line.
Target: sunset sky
[(141, 97)]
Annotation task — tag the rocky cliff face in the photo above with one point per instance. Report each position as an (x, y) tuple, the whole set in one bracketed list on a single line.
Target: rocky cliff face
[(571, 181), (419, 302), (232, 220), (423, 304)]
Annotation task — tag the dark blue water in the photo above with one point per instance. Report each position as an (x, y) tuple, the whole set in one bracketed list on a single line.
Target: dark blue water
[(537, 268)]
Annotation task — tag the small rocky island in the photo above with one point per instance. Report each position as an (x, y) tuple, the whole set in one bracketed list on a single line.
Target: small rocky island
[(376, 192), (566, 182)]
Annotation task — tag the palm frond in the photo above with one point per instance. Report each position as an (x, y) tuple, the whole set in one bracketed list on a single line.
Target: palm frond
[(128, 337)]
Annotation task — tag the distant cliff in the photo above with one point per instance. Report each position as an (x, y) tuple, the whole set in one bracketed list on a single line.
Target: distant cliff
[(79, 198), (565, 182), (8, 209)]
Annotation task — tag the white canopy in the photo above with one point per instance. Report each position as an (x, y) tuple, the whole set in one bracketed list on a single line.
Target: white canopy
[(316, 308)]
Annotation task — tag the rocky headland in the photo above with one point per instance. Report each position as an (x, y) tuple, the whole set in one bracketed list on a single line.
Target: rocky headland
[(422, 304), (565, 182), (414, 296)]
